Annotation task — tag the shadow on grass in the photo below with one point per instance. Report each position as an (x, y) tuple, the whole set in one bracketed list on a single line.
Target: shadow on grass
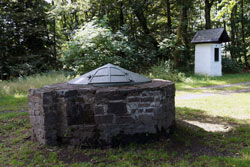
[(190, 142), (200, 115), (226, 140), (187, 143)]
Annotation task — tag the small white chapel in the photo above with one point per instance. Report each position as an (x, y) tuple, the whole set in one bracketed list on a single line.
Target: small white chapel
[(208, 51)]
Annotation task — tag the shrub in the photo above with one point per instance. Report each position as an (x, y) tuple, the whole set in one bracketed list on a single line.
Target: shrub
[(94, 45), (168, 45), (165, 70), (230, 66)]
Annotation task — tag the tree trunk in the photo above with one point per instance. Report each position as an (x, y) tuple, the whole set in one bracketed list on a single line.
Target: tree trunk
[(233, 28), (65, 26), (121, 15), (143, 22), (182, 32), (76, 22), (243, 33), (169, 17), (208, 6), (54, 42), (168, 12), (185, 33), (200, 12)]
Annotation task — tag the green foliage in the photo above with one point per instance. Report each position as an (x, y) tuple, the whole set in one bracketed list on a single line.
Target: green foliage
[(168, 45), (230, 66), (25, 40), (94, 45), (165, 70), (225, 7), (132, 34)]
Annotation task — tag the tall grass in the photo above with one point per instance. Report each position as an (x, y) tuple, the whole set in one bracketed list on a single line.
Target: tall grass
[(22, 85), (165, 70)]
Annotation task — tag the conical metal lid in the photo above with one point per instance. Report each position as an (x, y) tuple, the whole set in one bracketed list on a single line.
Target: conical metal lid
[(109, 75)]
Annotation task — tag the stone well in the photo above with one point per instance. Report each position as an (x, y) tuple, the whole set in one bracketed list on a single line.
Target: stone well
[(85, 115)]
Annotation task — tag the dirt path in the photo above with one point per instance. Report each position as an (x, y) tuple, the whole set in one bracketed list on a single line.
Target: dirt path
[(220, 86), (191, 95)]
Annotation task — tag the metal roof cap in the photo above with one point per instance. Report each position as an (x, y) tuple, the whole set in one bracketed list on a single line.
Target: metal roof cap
[(109, 75)]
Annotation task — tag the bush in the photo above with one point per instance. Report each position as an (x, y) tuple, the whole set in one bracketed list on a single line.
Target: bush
[(230, 66), (95, 45), (164, 70), (168, 45)]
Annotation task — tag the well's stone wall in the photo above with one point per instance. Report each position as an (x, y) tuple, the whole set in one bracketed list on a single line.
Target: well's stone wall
[(90, 116)]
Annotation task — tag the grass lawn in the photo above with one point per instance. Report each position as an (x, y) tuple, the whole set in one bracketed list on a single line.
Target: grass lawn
[(195, 81), (212, 130)]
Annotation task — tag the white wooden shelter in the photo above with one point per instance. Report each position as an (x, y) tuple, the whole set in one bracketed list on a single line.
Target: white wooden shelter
[(208, 51)]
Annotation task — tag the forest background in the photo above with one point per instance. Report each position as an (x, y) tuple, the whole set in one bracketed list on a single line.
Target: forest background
[(79, 35)]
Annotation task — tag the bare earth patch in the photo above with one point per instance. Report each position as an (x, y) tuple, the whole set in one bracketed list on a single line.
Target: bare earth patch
[(210, 127)]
